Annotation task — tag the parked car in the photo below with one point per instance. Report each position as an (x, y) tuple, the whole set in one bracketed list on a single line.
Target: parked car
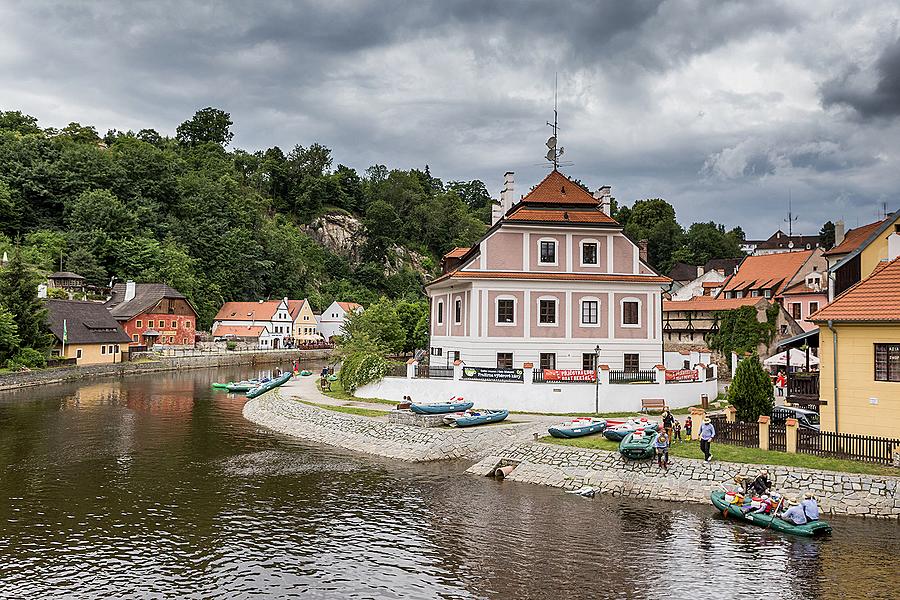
[(807, 419)]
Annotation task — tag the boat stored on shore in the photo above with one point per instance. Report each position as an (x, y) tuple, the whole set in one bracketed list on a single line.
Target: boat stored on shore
[(579, 427), (810, 529), (618, 432), (440, 408), (269, 385), (638, 445), (470, 418)]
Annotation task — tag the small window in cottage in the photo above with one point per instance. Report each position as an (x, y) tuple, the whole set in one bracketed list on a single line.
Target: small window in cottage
[(138, 323), (887, 362), (174, 323), (630, 313), (506, 311), (813, 307), (548, 252), (78, 354), (102, 349), (796, 310), (150, 324), (589, 254)]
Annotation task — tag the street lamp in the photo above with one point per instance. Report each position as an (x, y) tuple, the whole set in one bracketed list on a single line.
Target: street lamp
[(597, 379)]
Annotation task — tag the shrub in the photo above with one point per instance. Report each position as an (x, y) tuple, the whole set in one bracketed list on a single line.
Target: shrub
[(362, 368), (230, 345), (751, 390), (27, 357)]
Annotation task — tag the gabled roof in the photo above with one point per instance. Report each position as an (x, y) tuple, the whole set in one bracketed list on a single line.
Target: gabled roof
[(349, 306), (86, 323), (780, 240), (801, 288), (713, 284), (65, 275), (683, 272), (556, 188), (246, 331), (704, 303), (145, 297), (294, 307), (855, 238), (457, 252), (728, 265), (248, 311), (767, 271), (546, 215), (875, 298)]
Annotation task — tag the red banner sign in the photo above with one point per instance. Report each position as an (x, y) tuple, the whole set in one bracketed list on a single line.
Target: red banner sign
[(568, 375), (682, 375)]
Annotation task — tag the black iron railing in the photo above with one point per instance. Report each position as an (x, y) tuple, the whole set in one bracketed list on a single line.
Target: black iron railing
[(632, 376)]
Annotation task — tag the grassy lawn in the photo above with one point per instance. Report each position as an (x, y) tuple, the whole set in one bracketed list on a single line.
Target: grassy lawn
[(350, 410), (738, 454), (338, 393)]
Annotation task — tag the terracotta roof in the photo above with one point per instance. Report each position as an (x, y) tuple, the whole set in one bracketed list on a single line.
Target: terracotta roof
[(550, 276), (559, 215), (456, 252), (248, 311), (247, 331), (801, 288), (294, 307), (713, 284), (875, 298), (767, 271), (702, 303), (556, 188), (146, 295), (855, 238), (349, 306), (86, 323)]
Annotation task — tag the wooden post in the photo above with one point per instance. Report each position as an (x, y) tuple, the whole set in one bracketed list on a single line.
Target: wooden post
[(764, 431), (697, 416), (730, 414), (790, 427)]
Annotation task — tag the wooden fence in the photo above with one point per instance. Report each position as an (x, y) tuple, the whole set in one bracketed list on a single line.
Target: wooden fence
[(865, 448), (737, 434)]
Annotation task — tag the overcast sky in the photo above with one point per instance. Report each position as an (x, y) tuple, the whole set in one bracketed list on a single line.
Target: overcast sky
[(722, 108)]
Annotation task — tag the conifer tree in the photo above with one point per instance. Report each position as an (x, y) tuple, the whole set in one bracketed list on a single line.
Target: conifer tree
[(751, 390), (18, 295)]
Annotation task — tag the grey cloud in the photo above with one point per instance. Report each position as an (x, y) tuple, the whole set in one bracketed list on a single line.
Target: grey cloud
[(854, 88)]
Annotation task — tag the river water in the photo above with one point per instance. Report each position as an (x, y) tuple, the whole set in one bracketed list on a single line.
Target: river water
[(156, 487)]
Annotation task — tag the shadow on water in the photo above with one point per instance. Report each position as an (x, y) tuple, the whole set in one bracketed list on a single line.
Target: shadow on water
[(155, 486)]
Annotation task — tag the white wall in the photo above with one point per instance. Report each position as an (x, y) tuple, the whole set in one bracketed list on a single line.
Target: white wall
[(539, 397)]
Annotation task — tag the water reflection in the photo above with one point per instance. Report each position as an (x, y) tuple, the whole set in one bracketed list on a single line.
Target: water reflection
[(157, 487)]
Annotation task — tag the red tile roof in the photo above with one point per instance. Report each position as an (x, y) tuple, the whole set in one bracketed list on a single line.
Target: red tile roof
[(767, 271), (876, 298), (855, 238), (295, 306), (703, 303), (551, 276), (559, 215), (713, 284), (456, 252), (247, 311), (556, 188), (246, 331), (349, 306)]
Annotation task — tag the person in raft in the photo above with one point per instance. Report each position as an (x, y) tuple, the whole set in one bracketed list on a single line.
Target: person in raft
[(707, 433), (810, 507), (687, 427), (662, 450), (795, 514), (760, 485)]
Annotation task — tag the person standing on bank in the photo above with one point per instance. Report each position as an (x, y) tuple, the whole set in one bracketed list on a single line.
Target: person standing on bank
[(707, 433), (688, 424), (662, 450), (668, 420)]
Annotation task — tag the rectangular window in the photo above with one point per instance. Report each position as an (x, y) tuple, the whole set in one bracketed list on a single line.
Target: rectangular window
[(102, 349), (187, 324), (150, 324), (110, 349), (505, 311), (174, 324), (590, 310), (589, 361), (454, 355), (630, 313), (813, 307), (548, 360), (754, 294), (796, 310), (78, 354), (117, 348), (504, 360), (767, 293), (589, 254), (457, 311), (887, 362), (547, 312), (548, 252), (440, 313), (632, 362), (437, 351), (134, 337), (138, 323)]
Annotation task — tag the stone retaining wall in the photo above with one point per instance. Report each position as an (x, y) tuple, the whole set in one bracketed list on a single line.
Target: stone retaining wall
[(62, 374), (364, 434), (688, 480)]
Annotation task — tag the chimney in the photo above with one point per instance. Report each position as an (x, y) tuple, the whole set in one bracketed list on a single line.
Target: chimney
[(42, 290), (642, 248), (604, 198), (130, 291), (699, 271), (839, 232), (506, 198)]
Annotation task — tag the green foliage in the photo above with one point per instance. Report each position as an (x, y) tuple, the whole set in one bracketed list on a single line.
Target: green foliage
[(751, 390), (826, 235), (741, 331), (229, 345), (208, 125), (9, 335), (83, 262), (361, 368), (412, 315), (57, 294), (380, 323), (15, 121), (18, 295), (28, 358)]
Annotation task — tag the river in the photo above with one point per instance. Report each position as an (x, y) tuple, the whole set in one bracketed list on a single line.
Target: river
[(156, 487)]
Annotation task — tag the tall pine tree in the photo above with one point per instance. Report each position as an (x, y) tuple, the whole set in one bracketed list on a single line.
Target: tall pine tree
[(18, 295)]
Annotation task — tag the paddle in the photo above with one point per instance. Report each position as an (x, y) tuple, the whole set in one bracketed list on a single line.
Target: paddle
[(775, 512)]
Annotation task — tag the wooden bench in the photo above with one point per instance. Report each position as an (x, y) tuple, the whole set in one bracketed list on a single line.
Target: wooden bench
[(648, 404)]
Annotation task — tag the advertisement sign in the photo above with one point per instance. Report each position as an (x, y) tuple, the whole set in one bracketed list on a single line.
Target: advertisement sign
[(681, 375), (492, 374), (568, 375)]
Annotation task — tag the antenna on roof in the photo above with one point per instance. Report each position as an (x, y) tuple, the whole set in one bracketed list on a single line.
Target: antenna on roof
[(555, 151), (791, 217)]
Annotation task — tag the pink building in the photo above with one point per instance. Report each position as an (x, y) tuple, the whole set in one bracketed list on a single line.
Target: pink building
[(553, 278)]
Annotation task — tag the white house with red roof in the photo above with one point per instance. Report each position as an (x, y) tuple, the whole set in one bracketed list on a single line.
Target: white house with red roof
[(553, 278), (268, 324), (331, 321)]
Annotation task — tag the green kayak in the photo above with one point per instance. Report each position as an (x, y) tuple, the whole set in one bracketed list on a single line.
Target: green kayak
[(811, 529), (221, 386), (332, 378), (638, 447)]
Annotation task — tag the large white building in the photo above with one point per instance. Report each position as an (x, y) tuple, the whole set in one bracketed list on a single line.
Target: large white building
[(267, 324), (331, 321), (552, 279)]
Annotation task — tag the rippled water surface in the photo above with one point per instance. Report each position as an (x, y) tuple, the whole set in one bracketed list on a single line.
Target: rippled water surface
[(156, 487)]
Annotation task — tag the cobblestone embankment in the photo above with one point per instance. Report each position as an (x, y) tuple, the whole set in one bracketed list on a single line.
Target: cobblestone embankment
[(687, 480), (374, 436), (62, 374)]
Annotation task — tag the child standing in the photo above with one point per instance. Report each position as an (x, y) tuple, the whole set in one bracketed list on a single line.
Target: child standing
[(687, 427), (677, 428)]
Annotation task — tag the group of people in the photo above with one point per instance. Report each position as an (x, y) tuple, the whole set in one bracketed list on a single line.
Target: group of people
[(324, 382), (758, 498), (671, 432)]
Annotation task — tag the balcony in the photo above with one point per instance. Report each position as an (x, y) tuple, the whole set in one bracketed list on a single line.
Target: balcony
[(803, 389)]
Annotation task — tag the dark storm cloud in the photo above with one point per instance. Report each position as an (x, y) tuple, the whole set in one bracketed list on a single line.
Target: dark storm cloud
[(880, 100)]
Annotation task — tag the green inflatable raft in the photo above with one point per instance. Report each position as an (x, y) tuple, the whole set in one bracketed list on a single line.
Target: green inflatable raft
[(811, 529), (636, 446)]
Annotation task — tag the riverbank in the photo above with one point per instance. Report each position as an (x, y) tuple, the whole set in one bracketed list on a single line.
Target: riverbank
[(688, 480), (10, 381)]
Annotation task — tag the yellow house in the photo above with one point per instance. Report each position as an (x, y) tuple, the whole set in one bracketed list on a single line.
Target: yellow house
[(86, 331), (859, 353), (304, 328), (856, 254)]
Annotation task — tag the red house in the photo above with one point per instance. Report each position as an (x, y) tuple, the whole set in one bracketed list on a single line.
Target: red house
[(153, 313)]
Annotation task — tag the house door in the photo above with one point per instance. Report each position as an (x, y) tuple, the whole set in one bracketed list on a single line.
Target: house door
[(275, 343)]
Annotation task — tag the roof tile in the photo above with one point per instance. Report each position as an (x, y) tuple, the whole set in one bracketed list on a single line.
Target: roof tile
[(767, 270), (876, 298), (855, 238)]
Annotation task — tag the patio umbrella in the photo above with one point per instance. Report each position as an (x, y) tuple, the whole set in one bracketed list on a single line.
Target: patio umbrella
[(798, 359)]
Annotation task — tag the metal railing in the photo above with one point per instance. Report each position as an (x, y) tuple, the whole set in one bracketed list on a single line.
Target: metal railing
[(632, 376), (433, 372)]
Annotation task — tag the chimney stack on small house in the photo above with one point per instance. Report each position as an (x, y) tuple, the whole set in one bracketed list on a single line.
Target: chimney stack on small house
[(699, 271), (642, 250), (130, 291), (839, 232), (604, 197), (506, 198)]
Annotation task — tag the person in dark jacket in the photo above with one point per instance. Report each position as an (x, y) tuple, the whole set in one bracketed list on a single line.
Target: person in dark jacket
[(760, 485), (668, 420)]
